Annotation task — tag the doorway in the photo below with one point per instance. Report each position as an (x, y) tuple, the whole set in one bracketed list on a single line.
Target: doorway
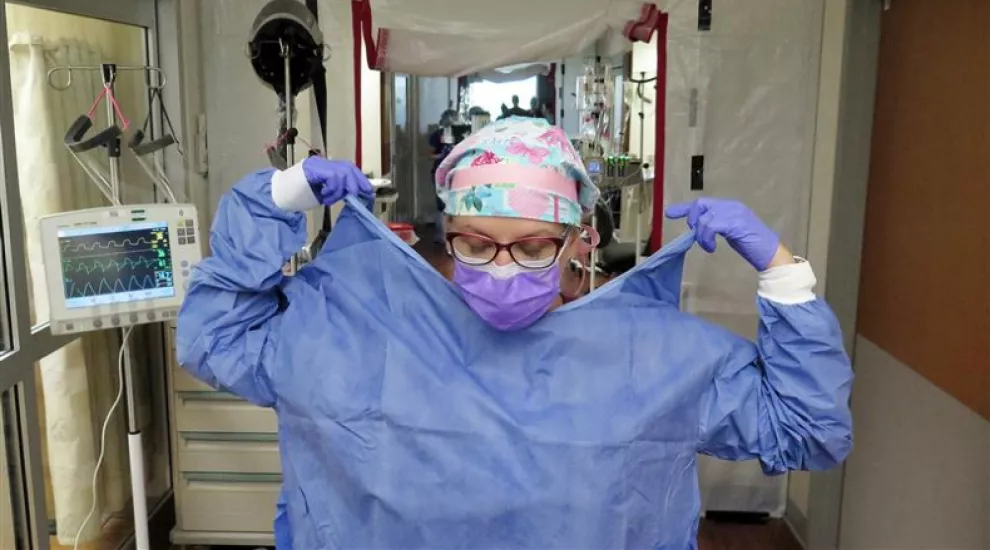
[(58, 391), (493, 96)]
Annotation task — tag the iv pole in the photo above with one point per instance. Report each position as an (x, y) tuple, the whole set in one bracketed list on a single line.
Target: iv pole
[(135, 448), (290, 140), (134, 442)]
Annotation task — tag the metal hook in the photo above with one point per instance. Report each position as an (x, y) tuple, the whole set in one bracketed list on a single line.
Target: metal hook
[(250, 52), (68, 82), (159, 74)]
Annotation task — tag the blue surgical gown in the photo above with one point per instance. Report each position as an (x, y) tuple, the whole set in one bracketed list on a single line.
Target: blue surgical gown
[(406, 422)]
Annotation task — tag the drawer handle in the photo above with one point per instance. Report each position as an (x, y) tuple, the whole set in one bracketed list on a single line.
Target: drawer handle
[(226, 437), (209, 396), (230, 477)]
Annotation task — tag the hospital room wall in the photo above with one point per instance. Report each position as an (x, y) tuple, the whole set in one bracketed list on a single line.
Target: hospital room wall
[(919, 476), (234, 97)]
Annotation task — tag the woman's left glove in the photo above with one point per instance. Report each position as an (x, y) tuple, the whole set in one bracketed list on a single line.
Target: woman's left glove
[(741, 227)]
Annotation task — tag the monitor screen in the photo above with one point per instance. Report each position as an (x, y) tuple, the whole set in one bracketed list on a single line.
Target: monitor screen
[(594, 167), (119, 264)]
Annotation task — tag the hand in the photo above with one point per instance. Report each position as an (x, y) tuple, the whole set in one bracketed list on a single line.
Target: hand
[(332, 180), (740, 227)]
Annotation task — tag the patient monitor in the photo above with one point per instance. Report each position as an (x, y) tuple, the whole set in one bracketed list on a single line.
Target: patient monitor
[(118, 266)]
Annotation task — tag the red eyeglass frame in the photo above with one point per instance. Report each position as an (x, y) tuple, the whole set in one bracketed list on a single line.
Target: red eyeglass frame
[(559, 242)]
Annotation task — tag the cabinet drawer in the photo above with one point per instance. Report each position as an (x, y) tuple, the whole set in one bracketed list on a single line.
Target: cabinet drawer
[(183, 381), (229, 452), (236, 503), (211, 411)]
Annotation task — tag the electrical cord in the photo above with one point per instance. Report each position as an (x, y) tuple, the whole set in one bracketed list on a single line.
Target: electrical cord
[(103, 434)]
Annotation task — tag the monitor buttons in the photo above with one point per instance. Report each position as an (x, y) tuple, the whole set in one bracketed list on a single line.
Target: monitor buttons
[(115, 321), (133, 318), (97, 323), (182, 240), (151, 315)]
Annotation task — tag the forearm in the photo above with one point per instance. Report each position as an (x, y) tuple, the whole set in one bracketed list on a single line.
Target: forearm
[(805, 387), (231, 309), (806, 374), (781, 257), (790, 408)]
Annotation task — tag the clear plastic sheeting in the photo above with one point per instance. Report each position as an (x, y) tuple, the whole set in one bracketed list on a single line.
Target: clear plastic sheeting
[(77, 380), (430, 38), (513, 73), (743, 96)]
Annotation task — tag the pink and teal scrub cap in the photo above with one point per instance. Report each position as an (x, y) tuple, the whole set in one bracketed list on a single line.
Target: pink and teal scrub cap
[(517, 168)]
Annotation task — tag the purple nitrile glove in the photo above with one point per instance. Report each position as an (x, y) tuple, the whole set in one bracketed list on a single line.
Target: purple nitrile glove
[(742, 229), (332, 180)]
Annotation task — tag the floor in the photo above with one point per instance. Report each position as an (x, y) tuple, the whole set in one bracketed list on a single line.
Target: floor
[(774, 535), (115, 532)]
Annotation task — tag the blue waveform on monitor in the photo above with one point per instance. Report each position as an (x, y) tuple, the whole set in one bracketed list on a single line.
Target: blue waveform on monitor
[(107, 287), (98, 265), (90, 247)]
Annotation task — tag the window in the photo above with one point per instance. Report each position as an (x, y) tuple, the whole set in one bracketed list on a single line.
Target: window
[(13, 525), (50, 180), (490, 96), (57, 391)]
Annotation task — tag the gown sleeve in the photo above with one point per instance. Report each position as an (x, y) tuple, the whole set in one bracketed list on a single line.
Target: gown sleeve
[(232, 311), (790, 407)]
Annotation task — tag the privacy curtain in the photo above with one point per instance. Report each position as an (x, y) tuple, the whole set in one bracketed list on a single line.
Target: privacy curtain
[(428, 38), (78, 381)]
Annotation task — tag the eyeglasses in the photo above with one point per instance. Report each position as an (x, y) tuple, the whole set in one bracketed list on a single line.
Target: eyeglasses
[(530, 252)]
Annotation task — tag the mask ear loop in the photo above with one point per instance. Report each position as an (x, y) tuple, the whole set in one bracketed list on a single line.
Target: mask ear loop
[(588, 239)]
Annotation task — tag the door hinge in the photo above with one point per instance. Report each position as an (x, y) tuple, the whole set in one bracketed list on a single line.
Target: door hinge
[(202, 149), (704, 15), (698, 173)]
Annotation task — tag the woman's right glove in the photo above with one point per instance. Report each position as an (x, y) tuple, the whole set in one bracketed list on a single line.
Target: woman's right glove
[(318, 181)]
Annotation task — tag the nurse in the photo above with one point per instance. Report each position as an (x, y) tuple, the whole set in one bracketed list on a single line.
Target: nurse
[(483, 412)]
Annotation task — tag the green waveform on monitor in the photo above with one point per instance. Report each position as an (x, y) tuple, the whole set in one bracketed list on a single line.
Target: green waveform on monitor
[(104, 266), (108, 287), (92, 247)]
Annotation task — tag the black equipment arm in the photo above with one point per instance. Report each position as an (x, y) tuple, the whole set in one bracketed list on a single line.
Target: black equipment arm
[(74, 137)]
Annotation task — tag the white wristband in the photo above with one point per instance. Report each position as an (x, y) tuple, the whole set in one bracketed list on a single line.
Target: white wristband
[(291, 191), (788, 284)]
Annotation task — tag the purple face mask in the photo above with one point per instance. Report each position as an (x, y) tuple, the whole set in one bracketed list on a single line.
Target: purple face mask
[(508, 297)]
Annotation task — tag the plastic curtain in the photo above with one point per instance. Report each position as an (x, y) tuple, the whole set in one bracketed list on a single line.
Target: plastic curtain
[(79, 379), (742, 96), (427, 38)]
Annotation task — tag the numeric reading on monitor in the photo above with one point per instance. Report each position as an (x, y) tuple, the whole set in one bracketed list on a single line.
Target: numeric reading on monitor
[(116, 264)]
